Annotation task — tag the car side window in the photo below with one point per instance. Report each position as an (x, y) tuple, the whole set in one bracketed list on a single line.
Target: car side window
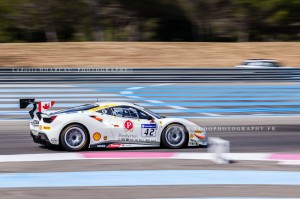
[(106, 111), (133, 112), (125, 111), (118, 111), (143, 115), (129, 112)]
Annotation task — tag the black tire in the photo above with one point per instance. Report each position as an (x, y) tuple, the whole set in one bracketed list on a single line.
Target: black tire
[(74, 137), (174, 136)]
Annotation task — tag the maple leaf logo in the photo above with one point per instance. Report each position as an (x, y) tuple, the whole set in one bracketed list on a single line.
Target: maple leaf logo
[(46, 106)]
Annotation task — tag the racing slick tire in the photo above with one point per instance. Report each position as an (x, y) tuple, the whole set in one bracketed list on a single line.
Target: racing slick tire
[(174, 136), (74, 137)]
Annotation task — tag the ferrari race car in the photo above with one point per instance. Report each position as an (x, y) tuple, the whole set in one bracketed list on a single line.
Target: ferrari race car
[(109, 125)]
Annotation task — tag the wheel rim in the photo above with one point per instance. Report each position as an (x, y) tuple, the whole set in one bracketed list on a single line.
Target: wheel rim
[(175, 135), (75, 137)]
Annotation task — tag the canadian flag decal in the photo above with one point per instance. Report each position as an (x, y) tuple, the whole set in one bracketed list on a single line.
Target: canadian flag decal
[(43, 106)]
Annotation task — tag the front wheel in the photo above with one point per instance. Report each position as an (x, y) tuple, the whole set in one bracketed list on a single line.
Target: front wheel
[(74, 138), (174, 136)]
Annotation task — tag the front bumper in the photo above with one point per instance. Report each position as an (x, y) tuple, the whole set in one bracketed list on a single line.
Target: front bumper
[(41, 138)]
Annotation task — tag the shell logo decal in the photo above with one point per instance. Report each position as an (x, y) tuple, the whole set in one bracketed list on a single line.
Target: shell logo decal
[(96, 136)]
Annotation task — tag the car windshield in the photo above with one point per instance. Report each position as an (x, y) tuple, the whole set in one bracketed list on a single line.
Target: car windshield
[(77, 108)]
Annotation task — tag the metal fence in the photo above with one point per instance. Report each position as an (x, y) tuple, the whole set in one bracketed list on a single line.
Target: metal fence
[(51, 75)]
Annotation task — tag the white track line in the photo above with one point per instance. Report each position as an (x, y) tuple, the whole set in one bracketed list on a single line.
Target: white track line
[(167, 84), (40, 157), (82, 156), (177, 107), (126, 92), (211, 114), (134, 97), (36, 86), (134, 88), (290, 162), (155, 101)]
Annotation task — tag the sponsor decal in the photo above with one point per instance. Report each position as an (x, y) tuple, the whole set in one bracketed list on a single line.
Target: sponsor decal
[(105, 138), (47, 127), (160, 122), (97, 136), (41, 127), (116, 125), (198, 131), (54, 141), (113, 146), (152, 126), (101, 146), (128, 125), (191, 136), (193, 143), (35, 122), (149, 130), (127, 136)]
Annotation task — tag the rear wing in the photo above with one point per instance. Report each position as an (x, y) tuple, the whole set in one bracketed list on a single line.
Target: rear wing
[(42, 106), (25, 102)]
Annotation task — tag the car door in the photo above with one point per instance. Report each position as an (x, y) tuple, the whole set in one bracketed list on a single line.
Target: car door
[(104, 117), (132, 125)]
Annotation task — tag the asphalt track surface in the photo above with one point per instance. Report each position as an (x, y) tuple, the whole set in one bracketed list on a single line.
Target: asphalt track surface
[(272, 107), (15, 139), (128, 192), (254, 117)]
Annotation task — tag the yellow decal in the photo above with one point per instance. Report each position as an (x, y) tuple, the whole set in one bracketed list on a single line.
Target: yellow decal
[(47, 127), (97, 136), (191, 136), (160, 122), (101, 107), (105, 138), (41, 127)]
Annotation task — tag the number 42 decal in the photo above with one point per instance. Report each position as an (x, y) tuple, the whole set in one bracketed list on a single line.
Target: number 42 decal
[(149, 130)]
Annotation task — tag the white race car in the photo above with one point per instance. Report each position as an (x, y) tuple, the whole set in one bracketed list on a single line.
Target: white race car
[(109, 125)]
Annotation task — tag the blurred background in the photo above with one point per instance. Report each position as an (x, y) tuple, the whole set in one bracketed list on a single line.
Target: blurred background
[(149, 20)]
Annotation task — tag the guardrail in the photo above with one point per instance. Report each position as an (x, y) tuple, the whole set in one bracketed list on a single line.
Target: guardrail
[(51, 75)]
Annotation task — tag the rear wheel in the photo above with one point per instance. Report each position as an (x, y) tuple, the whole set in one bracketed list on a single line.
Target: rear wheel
[(174, 136), (74, 138)]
